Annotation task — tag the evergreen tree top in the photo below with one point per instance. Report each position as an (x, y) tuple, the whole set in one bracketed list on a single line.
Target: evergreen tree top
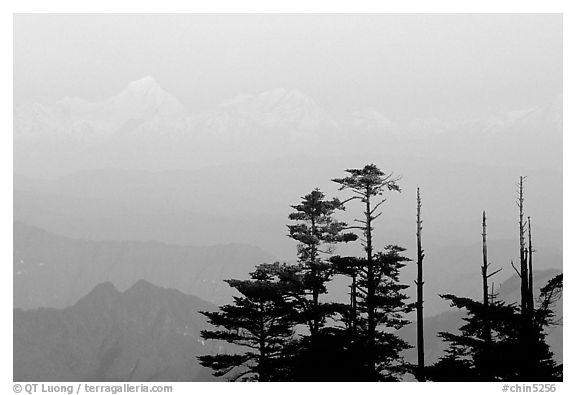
[(369, 180)]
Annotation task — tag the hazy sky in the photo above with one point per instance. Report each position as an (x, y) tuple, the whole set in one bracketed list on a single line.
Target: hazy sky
[(403, 65)]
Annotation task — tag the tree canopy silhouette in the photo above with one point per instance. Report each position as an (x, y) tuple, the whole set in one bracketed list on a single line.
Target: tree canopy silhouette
[(510, 354), (380, 304), (260, 322)]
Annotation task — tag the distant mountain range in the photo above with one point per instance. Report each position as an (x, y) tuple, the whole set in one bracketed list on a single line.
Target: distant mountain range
[(146, 333), (144, 127), (249, 204), (55, 271)]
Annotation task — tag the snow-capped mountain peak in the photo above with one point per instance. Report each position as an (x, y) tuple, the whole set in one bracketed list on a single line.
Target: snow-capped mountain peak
[(145, 97), (144, 83), (281, 106), (145, 124)]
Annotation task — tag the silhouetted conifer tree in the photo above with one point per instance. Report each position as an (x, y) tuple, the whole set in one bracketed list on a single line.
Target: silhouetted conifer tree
[(508, 356), (380, 303), (349, 267), (260, 322), (389, 312), (316, 232), (503, 341)]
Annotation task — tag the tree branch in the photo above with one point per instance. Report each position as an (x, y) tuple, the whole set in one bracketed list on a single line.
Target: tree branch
[(512, 263)]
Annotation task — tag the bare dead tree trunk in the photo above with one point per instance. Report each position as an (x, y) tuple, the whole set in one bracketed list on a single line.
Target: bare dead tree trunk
[(526, 335), (530, 290), (484, 260), (420, 376), (523, 260), (485, 276), (493, 295)]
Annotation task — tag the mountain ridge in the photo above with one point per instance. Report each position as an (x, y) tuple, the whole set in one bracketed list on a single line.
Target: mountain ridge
[(54, 271), (146, 333), (143, 126)]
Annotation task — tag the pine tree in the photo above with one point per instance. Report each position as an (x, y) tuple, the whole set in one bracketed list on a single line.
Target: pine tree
[(379, 303), (316, 356), (508, 356), (316, 232), (503, 341), (470, 357), (384, 354), (390, 309), (260, 322), (349, 267)]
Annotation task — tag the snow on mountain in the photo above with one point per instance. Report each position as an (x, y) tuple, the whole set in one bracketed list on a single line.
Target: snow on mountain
[(278, 116), (143, 108), (144, 98), (280, 107), (371, 119), (92, 123), (145, 127)]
